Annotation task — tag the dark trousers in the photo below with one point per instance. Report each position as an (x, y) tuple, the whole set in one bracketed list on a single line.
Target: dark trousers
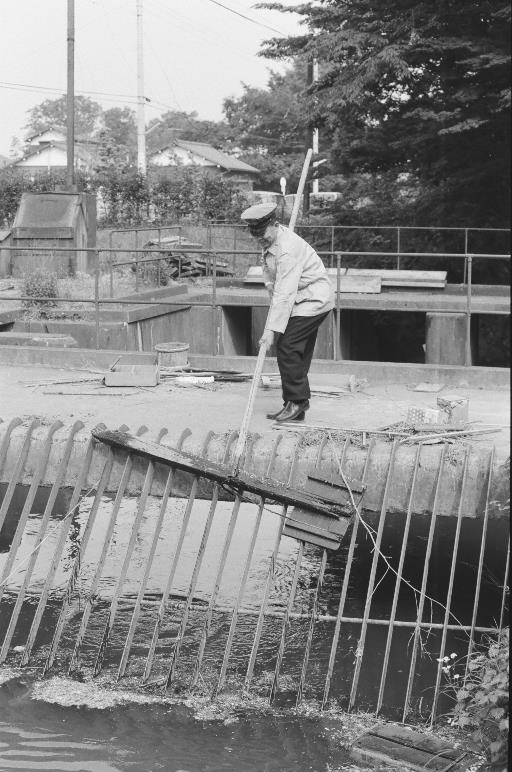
[(294, 354)]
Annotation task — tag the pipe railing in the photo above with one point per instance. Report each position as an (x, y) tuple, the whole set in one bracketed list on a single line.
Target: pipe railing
[(97, 301)]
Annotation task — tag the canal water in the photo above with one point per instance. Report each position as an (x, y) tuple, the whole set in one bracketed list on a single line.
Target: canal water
[(50, 725), (39, 735)]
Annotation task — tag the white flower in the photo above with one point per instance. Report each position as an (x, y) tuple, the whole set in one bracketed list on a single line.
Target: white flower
[(456, 676), (452, 656)]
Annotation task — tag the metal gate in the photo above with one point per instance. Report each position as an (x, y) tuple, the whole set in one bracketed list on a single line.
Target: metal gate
[(198, 596)]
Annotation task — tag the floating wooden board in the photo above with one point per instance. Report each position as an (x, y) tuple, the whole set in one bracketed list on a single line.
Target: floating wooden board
[(397, 745)]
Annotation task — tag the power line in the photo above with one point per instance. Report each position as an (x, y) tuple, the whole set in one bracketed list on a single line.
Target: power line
[(247, 18), (52, 89)]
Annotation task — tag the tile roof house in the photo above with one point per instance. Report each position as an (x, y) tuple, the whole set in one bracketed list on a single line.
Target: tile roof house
[(46, 151), (204, 156), (52, 156)]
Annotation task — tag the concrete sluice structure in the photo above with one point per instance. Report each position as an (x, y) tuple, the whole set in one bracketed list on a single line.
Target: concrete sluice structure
[(112, 564)]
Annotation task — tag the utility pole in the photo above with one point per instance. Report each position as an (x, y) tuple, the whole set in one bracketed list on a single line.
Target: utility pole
[(314, 143), (308, 141), (70, 100), (141, 135)]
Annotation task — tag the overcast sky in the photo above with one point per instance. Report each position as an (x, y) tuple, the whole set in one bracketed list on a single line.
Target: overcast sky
[(196, 53)]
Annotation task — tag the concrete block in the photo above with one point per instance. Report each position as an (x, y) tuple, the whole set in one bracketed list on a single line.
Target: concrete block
[(446, 339), (124, 373)]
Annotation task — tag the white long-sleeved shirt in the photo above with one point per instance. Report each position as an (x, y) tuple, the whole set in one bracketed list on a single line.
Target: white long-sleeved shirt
[(296, 280)]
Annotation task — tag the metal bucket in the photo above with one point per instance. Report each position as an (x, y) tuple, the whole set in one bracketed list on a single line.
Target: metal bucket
[(172, 354)]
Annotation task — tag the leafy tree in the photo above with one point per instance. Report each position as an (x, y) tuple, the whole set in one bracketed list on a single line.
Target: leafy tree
[(53, 112), (418, 87), (176, 124), (119, 125), (117, 139), (272, 120), (270, 125)]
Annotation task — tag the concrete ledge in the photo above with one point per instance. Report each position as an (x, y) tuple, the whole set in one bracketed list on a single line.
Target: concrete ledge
[(70, 359), (378, 372), (39, 339)]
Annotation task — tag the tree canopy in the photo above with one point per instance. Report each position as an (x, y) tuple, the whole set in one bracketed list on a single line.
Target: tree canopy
[(52, 113), (176, 124), (268, 125), (416, 87)]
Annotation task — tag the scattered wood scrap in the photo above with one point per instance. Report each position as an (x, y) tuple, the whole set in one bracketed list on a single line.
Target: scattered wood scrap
[(353, 385), (445, 434), (173, 373), (183, 259)]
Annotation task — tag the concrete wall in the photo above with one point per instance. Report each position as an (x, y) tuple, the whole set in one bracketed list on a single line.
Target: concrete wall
[(138, 335), (474, 497)]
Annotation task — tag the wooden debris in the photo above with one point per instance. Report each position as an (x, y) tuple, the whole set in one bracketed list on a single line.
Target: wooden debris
[(447, 433), (184, 260), (395, 745), (353, 385), (295, 425), (243, 481)]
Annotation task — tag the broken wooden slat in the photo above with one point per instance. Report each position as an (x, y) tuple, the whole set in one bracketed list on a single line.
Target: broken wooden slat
[(318, 529), (218, 473), (305, 526), (337, 481)]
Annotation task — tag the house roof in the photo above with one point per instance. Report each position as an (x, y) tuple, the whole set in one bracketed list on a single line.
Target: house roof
[(56, 129), (80, 152), (214, 156)]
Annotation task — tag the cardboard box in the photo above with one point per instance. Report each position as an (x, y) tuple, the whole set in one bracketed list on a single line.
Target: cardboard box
[(455, 406)]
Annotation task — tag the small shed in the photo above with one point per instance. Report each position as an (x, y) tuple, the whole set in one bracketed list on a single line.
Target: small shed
[(57, 220)]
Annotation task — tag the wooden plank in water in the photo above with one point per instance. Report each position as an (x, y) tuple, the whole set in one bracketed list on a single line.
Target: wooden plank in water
[(187, 462), (398, 745)]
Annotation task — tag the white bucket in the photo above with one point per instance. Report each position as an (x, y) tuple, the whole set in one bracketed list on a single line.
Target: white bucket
[(172, 354)]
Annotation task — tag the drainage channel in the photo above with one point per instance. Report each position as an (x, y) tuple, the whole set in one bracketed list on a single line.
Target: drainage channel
[(119, 567)]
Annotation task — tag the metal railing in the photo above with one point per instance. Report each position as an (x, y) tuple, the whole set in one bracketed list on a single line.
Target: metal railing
[(374, 605), (212, 255)]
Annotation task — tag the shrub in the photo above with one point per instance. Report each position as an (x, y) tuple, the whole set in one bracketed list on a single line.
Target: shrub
[(482, 698), (41, 287)]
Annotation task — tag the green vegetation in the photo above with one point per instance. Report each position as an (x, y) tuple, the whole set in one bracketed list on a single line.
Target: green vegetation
[(41, 287), (482, 697)]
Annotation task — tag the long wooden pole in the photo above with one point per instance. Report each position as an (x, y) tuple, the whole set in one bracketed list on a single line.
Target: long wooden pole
[(260, 361), (70, 99)]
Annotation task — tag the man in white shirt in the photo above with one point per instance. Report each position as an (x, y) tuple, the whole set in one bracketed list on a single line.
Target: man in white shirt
[(301, 296)]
